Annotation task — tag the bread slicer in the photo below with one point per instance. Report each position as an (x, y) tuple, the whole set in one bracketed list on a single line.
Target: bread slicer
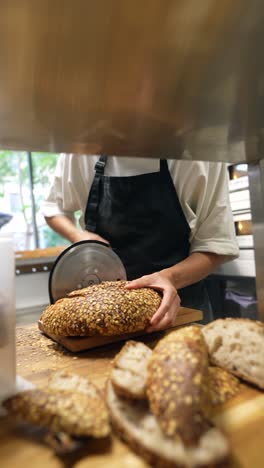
[(83, 264)]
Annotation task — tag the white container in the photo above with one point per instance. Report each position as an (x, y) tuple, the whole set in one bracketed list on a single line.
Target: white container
[(7, 318)]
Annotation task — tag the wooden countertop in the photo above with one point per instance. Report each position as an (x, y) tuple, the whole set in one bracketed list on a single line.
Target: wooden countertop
[(37, 357), (48, 252), (36, 261)]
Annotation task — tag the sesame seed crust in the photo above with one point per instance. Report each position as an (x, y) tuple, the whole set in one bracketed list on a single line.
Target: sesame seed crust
[(104, 309), (177, 385)]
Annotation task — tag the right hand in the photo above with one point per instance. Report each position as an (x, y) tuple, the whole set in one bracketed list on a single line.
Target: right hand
[(166, 314), (87, 235)]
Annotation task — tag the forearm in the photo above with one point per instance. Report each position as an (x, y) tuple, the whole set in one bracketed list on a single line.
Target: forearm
[(193, 269), (63, 226), (66, 228)]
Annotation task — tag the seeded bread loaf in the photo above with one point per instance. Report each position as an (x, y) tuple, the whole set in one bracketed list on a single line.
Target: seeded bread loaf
[(237, 345), (177, 385), (129, 373), (104, 309), (70, 404), (138, 427)]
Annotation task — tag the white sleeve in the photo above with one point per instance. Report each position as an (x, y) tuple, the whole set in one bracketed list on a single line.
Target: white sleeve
[(202, 189), (62, 198)]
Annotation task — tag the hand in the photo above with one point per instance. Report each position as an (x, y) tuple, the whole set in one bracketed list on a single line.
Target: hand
[(169, 308), (87, 235)]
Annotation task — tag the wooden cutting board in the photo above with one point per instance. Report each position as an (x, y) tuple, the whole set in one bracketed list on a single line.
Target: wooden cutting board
[(76, 344)]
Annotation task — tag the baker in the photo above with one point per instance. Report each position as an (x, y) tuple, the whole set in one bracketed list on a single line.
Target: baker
[(169, 221)]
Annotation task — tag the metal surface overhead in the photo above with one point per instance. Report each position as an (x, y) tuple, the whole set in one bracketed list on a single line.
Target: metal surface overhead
[(180, 78)]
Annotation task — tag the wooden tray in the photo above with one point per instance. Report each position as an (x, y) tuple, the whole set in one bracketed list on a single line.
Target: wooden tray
[(76, 344)]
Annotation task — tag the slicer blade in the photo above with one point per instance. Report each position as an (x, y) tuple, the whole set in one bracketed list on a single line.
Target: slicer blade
[(82, 264)]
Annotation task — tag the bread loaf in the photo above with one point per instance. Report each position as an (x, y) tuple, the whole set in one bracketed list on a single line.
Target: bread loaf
[(237, 345), (138, 427), (70, 404), (129, 373), (177, 385), (170, 425), (104, 309)]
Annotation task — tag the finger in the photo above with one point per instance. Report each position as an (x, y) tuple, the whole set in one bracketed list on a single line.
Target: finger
[(165, 322), (176, 308), (172, 313), (142, 282), (169, 318), (169, 300)]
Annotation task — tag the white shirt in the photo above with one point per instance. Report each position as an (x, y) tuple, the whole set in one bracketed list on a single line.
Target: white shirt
[(202, 189)]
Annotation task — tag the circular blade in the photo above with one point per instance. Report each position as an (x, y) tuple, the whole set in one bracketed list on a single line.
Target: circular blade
[(83, 264)]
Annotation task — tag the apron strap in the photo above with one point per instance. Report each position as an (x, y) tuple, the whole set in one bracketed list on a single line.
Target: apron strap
[(93, 200), (100, 165)]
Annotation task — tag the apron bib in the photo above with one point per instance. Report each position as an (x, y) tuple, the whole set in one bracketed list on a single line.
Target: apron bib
[(143, 220)]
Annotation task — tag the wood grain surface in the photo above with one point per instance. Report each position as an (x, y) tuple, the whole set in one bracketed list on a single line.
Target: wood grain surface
[(39, 253), (242, 418)]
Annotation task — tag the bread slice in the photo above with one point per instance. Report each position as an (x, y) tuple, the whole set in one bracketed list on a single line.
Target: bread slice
[(129, 373), (139, 428), (177, 384), (104, 309), (237, 345), (70, 404)]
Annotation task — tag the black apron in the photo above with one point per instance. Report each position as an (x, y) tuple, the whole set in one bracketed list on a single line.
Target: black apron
[(142, 219)]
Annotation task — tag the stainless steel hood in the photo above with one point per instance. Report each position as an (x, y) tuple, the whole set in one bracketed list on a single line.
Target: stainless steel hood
[(180, 78)]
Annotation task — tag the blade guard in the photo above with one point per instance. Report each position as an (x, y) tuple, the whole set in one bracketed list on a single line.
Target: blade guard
[(82, 264)]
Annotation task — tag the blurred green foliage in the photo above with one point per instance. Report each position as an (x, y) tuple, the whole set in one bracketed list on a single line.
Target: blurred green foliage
[(14, 169)]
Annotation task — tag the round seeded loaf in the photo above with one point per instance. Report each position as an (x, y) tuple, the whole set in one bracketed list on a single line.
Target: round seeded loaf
[(104, 309)]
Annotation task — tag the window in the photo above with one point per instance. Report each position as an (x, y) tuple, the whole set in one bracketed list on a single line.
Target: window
[(24, 182)]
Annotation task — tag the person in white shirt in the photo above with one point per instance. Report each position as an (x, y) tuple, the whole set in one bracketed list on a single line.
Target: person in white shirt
[(170, 221)]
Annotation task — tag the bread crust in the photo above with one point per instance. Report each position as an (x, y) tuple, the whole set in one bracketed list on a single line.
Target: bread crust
[(78, 410), (222, 385), (102, 309), (177, 384), (130, 417)]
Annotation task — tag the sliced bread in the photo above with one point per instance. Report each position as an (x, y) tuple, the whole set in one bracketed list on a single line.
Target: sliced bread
[(129, 373), (237, 345), (138, 427)]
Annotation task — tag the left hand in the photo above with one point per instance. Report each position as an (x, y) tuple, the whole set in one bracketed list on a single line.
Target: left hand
[(169, 308)]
